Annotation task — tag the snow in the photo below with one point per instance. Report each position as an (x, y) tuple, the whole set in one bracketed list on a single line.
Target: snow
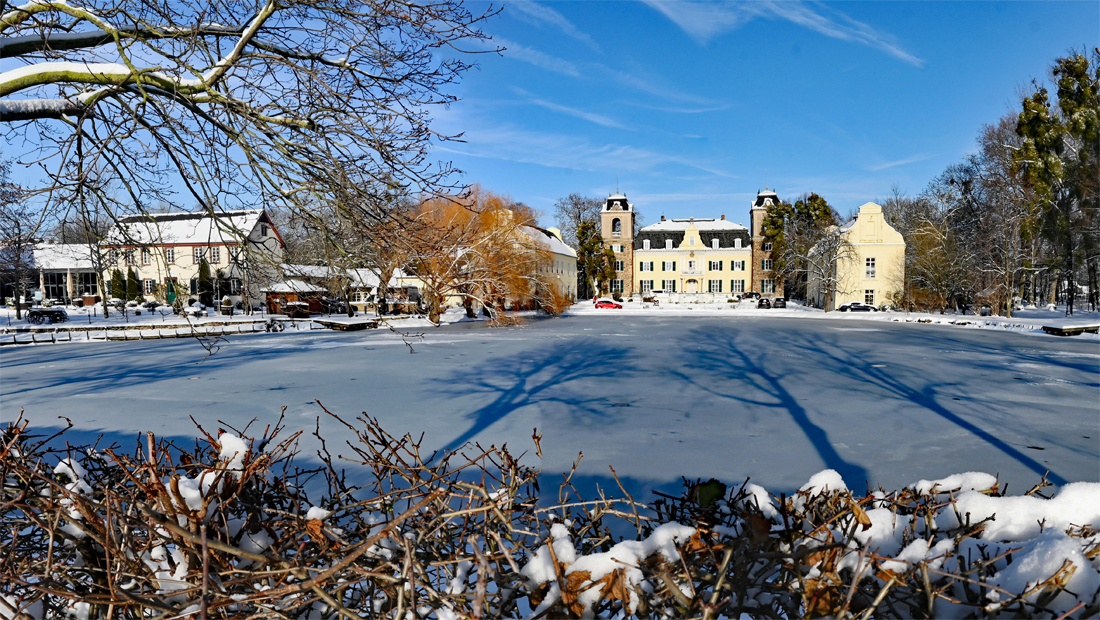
[(968, 481), (317, 513), (1040, 561), (234, 451), (658, 394), (1025, 517), (541, 569)]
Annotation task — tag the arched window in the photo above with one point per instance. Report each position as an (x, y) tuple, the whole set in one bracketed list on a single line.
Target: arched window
[(616, 226)]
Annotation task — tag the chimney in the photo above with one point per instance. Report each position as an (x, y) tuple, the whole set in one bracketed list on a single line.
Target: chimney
[(723, 216), (662, 218)]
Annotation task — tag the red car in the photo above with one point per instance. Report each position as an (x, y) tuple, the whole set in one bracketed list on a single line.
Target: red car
[(607, 303)]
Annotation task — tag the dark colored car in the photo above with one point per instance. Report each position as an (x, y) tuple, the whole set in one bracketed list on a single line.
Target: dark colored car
[(333, 306), (751, 295), (764, 303), (856, 306), (607, 303), (779, 302)]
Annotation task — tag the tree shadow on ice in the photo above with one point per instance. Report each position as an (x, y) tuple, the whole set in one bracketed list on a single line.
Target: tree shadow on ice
[(538, 377), (744, 378), (837, 360)]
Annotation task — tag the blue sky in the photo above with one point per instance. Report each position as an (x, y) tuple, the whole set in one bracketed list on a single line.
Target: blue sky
[(694, 104)]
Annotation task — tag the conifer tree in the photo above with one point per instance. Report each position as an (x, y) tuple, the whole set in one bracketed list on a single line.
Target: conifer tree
[(133, 287), (589, 258), (118, 284), (206, 284)]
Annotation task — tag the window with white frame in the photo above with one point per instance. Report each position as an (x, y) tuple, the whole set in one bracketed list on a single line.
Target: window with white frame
[(148, 286), (691, 241), (670, 286), (767, 247), (668, 265), (198, 254), (766, 264), (129, 257), (737, 286), (714, 243), (870, 264), (715, 265), (215, 255), (645, 285), (693, 266), (234, 286), (737, 243), (146, 257), (715, 286), (616, 286), (620, 265), (169, 255), (112, 257), (668, 244), (869, 297), (263, 231), (645, 266), (645, 244), (234, 255), (737, 265), (767, 286)]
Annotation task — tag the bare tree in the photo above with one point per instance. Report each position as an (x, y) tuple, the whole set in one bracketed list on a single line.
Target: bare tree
[(572, 211), (20, 228), (239, 103)]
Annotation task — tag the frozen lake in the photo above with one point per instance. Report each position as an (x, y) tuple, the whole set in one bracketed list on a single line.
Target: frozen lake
[(774, 399)]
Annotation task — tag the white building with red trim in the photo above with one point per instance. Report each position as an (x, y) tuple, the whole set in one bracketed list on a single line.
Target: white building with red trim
[(242, 248)]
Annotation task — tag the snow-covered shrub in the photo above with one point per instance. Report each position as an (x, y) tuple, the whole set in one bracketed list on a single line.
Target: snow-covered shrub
[(228, 530)]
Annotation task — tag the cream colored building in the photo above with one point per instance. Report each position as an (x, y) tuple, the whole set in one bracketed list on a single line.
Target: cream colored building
[(242, 248), (560, 268), (695, 259), (874, 271)]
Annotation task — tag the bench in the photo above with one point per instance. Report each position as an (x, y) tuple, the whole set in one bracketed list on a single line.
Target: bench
[(1071, 330)]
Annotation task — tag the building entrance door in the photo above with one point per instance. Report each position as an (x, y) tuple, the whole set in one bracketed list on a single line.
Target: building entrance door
[(691, 286)]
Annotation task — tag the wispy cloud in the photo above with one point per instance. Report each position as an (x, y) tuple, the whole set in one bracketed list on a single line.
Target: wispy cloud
[(900, 162), (599, 119), (652, 87), (510, 143), (717, 108), (535, 57), (544, 14), (705, 20)]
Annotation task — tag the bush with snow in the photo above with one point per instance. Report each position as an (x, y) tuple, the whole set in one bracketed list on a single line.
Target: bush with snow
[(228, 530)]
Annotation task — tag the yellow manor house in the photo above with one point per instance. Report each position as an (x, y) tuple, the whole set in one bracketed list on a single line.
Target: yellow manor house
[(693, 259)]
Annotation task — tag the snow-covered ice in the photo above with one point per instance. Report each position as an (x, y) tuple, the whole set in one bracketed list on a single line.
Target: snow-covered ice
[(730, 393)]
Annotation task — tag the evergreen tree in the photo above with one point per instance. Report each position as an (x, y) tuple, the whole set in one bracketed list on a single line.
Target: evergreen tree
[(589, 258), (133, 286), (118, 284), (1060, 159), (794, 230), (606, 272), (206, 284)]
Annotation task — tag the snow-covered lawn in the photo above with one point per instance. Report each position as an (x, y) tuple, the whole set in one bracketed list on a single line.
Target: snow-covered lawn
[(739, 393)]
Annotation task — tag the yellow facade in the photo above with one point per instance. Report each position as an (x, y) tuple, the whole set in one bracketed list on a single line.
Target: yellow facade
[(875, 272), (694, 267)]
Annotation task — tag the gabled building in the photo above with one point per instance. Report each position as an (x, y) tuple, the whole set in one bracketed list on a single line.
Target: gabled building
[(242, 248), (873, 268), (65, 270)]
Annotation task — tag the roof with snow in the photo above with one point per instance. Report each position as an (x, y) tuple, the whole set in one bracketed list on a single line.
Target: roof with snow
[(763, 197), (725, 231), (62, 256), (547, 240), (191, 227), (700, 223), (293, 286)]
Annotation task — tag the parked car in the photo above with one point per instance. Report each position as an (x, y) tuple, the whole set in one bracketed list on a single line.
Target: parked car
[(751, 295), (856, 306), (608, 303), (779, 302), (333, 306), (764, 303)]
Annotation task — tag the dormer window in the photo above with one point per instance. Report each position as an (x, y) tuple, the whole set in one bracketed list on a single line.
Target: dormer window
[(714, 243), (668, 244), (691, 241), (263, 231), (737, 243), (645, 244)]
